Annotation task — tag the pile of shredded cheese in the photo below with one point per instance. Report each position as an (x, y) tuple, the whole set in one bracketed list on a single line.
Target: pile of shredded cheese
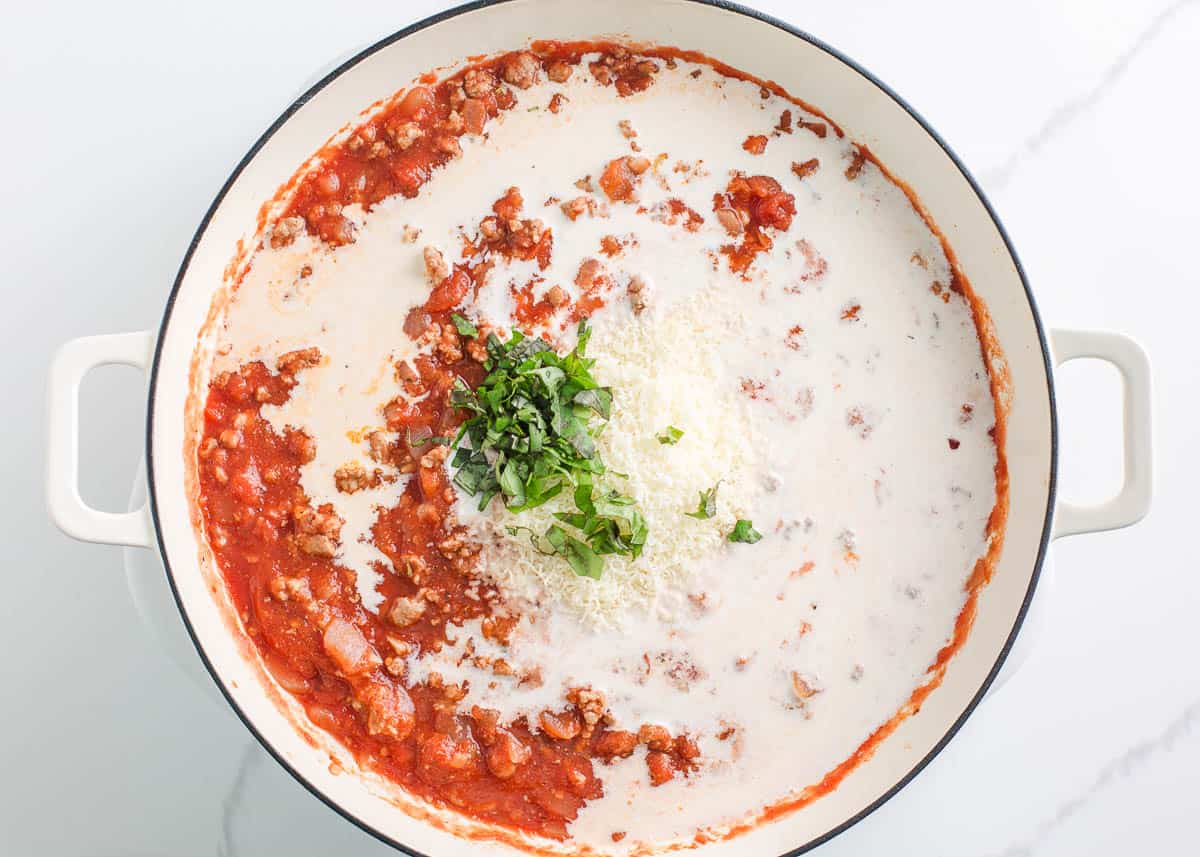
[(665, 369)]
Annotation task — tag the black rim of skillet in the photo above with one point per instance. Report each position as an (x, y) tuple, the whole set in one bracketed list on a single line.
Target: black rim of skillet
[(729, 7)]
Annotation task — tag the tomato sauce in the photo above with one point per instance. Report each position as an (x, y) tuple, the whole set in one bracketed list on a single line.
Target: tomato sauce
[(345, 664)]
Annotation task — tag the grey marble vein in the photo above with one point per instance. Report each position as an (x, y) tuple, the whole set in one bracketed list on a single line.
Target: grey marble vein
[(1064, 115), (232, 799), (1133, 759)]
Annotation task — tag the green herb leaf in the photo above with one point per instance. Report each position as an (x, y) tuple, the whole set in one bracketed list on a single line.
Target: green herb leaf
[(530, 433), (599, 399), (465, 328), (583, 560), (669, 436), (743, 531), (538, 542), (707, 507)]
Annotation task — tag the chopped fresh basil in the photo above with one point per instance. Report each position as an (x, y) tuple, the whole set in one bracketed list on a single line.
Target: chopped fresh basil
[(670, 435), (529, 435), (743, 531), (465, 327), (707, 507), (599, 399), (583, 560)]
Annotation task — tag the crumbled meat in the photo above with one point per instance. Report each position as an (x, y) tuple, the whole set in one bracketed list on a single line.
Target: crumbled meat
[(449, 346), (406, 611), (451, 546), (521, 70), (436, 268), (300, 445), (514, 236), (556, 296), (477, 348), (626, 71), (390, 710), (404, 134), (478, 82), (324, 520), (627, 130), (448, 144), (380, 447), (292, 362), (317, 531), (285, 231), (572, 208), (413, 567), (490, 229), (559, 71), (616, 744), (352, 477), (591, 706), (315, 544), (654, 736), (658, 764), (283, 588), (621, 176)]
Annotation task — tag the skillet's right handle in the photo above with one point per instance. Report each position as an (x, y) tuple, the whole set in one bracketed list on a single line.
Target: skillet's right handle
[(1132, 502)]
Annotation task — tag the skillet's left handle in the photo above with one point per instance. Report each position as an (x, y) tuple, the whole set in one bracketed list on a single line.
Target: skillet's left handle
[(1132, 502), (70, 364)]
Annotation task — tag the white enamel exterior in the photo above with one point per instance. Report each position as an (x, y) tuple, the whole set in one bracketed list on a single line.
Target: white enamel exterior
[(869, 115)]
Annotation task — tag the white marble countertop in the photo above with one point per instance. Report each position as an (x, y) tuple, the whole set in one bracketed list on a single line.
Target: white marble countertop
[(123, 118)]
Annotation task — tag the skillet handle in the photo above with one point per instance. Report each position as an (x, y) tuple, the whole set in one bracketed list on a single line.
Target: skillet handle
[(1132, 502), (68, 510)]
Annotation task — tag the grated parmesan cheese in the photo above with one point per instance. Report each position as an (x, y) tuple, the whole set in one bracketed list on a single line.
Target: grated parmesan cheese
[(665, 369)]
